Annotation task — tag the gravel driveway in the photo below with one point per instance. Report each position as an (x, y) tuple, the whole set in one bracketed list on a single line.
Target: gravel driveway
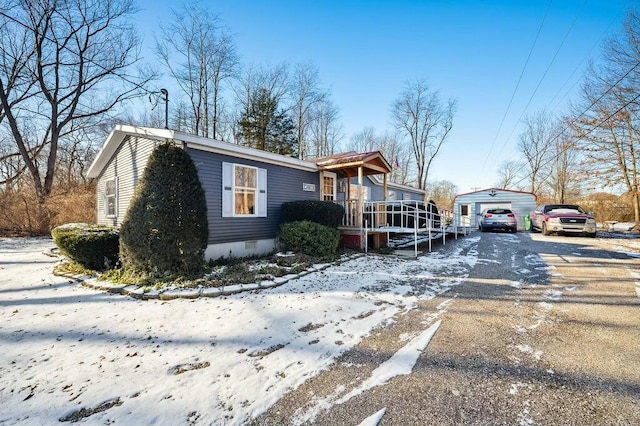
[(544, 330)]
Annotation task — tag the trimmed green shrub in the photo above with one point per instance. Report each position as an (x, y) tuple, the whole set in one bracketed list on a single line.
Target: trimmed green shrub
[(92, 246), (323, 212), (310, 238), (165, 229)]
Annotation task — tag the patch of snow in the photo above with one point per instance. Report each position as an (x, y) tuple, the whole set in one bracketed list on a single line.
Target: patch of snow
[(401, 363), (374, 419), (404, 337), (526, 349), (524, 418), (515, 387), (552, 294), (67, 347), (546, 306)]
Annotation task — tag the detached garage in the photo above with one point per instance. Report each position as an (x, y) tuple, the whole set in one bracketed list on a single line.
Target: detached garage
[(468, 207)]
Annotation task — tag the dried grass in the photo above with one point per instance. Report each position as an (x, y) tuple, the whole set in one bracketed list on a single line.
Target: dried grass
[(22, 215)]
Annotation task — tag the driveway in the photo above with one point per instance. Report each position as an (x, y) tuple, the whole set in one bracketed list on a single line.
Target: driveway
[(544, 330)]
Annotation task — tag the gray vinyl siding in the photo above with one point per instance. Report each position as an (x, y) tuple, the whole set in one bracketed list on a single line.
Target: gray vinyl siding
[(376, 192), (400, 195), (127, 166), (283, 184)]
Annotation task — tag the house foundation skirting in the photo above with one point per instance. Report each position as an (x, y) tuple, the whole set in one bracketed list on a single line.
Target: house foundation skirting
[(240, 249)]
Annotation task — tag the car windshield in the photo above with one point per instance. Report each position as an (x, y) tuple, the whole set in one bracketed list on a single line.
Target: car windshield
[(499, 211), (564, 208)]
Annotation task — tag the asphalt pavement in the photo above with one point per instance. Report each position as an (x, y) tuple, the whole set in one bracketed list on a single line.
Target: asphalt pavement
[(543, 330)]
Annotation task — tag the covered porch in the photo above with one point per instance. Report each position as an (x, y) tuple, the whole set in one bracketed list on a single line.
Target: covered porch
[(336, 175)]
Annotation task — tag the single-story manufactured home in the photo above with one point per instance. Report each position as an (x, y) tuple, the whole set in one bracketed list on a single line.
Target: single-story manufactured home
[(468, 207), (243, 220)]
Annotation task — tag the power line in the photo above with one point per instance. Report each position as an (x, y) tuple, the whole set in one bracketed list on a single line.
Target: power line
[(544, 75), (575, 70), (572, 144), (546, 13)]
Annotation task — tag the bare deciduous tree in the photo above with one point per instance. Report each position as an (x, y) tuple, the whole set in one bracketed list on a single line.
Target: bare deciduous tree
[(306, 95), (364, 141), (535, 146), (426, 121), (564, 176), (508, 172), (442, 192), (200, 55), (325, 131), (609, 128), (62, 62), (393, 149)]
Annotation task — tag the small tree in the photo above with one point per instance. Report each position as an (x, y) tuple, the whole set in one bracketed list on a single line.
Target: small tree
[(165, 228)]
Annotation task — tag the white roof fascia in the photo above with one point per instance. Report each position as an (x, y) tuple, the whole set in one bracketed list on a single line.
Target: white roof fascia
[(239, 151), (120, 132)]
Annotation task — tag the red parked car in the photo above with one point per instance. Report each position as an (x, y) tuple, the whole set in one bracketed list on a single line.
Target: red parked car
[(563, 219)]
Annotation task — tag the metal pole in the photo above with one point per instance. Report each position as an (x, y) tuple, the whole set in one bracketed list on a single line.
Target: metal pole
[(165, 93)]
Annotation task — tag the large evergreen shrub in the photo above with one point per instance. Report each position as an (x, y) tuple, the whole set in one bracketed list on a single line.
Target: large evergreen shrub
[(165, 228), (310, 238), (92, 246), (323, 212)]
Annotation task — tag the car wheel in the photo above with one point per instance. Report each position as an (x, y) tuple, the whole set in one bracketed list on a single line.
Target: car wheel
[(544, 229), (482, 229), (514, 230)]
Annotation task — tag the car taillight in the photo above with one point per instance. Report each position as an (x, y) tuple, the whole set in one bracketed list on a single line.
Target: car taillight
[(488, 215), (511, 215)]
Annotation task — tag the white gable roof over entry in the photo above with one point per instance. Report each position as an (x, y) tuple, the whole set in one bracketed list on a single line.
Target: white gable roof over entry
[(467, 207)]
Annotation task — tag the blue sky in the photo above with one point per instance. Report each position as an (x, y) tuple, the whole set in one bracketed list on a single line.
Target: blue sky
[(473, 51)]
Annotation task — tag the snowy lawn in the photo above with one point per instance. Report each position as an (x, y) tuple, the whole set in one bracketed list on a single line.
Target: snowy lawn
[(69, 352)]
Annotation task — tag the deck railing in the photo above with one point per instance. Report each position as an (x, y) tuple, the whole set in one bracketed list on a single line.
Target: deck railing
[(395, 214)]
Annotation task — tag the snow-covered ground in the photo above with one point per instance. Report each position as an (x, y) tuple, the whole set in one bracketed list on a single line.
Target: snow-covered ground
[(69, 352)]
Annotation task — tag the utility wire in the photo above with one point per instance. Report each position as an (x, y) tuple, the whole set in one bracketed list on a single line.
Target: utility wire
[(544, 75), (574, 143), (513, 94), (575, 70)]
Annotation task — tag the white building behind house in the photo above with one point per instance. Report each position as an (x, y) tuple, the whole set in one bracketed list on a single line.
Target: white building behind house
[(468, 207)]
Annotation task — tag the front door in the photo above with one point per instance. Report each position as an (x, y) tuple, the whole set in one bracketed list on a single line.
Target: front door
[(328, 186)]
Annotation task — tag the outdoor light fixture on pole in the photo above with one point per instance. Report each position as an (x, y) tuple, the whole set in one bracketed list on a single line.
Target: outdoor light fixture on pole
[(165, 93)]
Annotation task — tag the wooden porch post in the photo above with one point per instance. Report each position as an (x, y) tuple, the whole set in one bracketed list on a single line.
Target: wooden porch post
[(360, 194), (384, 185)]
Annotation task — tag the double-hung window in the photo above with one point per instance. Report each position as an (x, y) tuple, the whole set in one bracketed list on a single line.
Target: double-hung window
[(244, 190), (110, 198)]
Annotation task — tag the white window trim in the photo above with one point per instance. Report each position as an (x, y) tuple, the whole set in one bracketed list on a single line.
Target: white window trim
[(229, 191), (115, 196)]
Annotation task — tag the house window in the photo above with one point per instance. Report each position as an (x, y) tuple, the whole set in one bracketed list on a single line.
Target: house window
[(355, 192), (110, 198), (464, 210), (244, 190), (391, 195)]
